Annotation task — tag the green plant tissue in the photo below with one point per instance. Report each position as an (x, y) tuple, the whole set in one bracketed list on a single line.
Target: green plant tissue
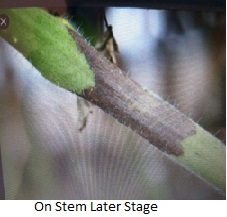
[(44, 40)]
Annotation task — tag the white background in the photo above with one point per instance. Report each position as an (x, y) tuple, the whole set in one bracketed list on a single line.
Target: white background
[(165, 208)]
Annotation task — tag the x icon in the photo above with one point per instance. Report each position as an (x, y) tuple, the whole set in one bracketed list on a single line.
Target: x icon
[(4, 21)]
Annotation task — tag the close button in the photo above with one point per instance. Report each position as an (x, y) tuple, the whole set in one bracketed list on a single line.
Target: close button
[(4, 21)]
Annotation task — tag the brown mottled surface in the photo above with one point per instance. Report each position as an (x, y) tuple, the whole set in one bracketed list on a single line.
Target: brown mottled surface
[(151, 117)]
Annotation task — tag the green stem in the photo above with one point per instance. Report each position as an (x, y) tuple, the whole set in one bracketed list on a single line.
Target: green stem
[(44, 40), (206, 156)]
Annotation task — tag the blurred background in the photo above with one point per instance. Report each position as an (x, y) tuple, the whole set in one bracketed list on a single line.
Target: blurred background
[(179, 55)]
